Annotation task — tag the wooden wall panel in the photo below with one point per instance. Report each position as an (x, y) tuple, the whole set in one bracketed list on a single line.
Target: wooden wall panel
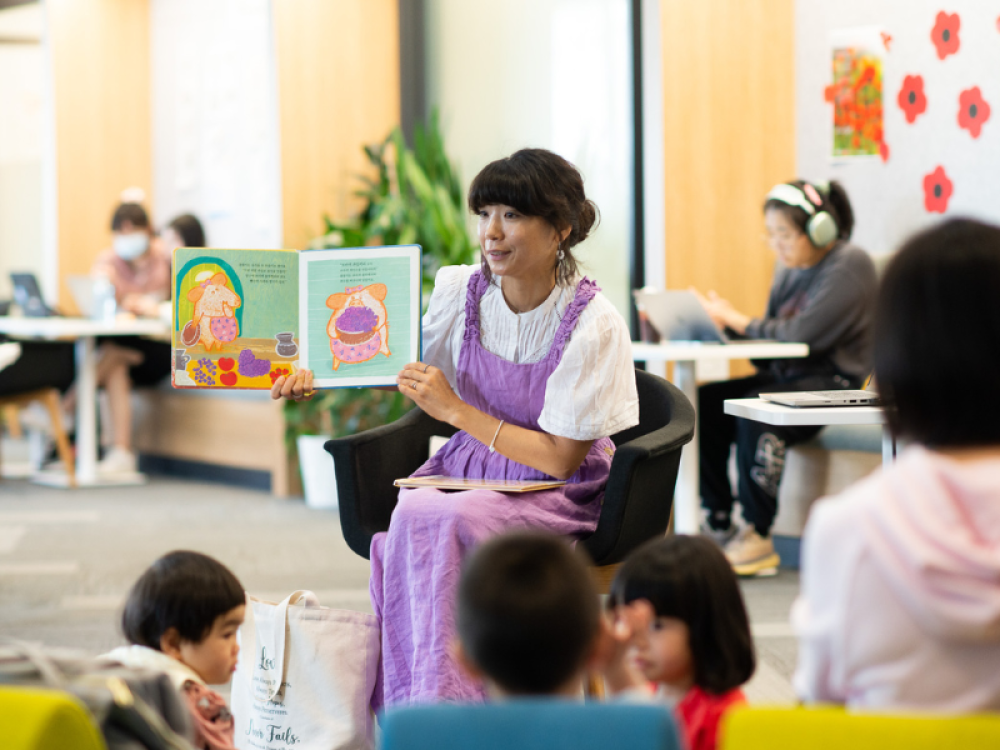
[(338, 89), (729, 130), (100, 75)]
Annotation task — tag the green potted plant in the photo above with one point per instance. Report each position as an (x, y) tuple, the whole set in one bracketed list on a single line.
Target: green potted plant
[(415, 197)]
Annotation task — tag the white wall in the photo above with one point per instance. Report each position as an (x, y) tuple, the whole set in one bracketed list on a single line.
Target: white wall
[(215, 120), (888, 197), (21, 144), (508, 74)]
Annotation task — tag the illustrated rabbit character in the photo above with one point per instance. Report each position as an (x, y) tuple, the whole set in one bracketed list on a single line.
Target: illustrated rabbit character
[(214, 306), (358, 329)]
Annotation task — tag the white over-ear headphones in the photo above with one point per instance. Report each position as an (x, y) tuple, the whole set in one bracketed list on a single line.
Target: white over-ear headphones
[(821, 229)]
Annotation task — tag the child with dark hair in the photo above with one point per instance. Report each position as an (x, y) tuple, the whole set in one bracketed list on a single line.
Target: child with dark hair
[(528, 616), (680, 623), (181, 618)]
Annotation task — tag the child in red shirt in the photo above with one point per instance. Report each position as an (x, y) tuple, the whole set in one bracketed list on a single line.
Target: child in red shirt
[(681, 633)]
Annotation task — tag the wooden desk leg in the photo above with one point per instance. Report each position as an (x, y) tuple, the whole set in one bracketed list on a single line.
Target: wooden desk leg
[(687, 498)]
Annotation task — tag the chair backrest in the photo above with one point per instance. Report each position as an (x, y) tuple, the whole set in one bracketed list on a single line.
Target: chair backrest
[(822, 728), (540, 724), (33, 719), (639, 495), (657, 406)]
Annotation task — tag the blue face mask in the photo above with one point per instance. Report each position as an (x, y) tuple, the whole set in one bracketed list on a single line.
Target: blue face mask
[(130, 246)]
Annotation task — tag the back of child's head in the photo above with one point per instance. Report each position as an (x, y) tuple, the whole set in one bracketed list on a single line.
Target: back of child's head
[(182, 590), (528, 613), (688, 578)]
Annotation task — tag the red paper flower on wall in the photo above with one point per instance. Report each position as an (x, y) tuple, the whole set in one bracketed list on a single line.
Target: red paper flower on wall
[(911, 97), (937, 190), (945, 34), (973, 111)]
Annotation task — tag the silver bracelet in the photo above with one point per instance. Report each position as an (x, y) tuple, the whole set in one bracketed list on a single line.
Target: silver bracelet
[(494, 440)]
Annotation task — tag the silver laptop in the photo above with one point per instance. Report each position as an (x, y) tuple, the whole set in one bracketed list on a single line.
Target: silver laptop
[(677, 315), (823, 398), (82, 289)]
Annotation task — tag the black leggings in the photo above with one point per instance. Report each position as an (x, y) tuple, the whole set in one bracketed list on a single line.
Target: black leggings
[(760, 448)]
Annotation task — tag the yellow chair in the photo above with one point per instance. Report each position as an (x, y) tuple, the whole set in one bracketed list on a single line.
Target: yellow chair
[(33, 719), (829, 727)]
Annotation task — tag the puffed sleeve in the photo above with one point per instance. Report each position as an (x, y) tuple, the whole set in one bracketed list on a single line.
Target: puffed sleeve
[(445, 315), (591, 394)]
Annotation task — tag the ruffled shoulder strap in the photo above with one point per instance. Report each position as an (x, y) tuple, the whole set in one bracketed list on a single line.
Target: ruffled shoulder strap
[(478, 284), (585, 292)]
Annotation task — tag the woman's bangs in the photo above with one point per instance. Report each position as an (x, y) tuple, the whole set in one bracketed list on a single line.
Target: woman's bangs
[(501, 184)]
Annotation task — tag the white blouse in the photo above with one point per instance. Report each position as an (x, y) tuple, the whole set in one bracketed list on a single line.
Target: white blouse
[(591, 394)]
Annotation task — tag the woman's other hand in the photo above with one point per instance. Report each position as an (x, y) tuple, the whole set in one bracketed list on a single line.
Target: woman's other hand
[(429, 388), (295, 387), (722, 312)]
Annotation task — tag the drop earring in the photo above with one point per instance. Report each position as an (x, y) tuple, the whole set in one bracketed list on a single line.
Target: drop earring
[(560, 254)]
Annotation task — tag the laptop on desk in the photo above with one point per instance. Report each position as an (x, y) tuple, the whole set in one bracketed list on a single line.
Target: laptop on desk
[(28, 296), (677, 315), (823, 398)]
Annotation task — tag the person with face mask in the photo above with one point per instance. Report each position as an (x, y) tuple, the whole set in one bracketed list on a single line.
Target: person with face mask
[(138, 267)]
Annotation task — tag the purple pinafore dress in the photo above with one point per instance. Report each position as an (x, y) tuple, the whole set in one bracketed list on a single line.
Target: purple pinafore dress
[(415, 565)]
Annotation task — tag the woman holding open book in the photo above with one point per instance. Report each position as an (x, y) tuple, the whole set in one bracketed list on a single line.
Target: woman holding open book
[(533, 365)]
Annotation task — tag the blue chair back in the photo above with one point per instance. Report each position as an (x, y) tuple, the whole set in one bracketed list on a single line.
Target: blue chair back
[(540, 724)]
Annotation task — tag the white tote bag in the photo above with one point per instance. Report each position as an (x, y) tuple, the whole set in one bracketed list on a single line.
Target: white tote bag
[(305, 676)]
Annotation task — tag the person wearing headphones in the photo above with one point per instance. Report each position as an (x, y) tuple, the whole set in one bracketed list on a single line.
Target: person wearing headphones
[(823, 294)]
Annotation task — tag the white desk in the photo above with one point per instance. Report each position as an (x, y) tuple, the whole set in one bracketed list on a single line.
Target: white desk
[(684, 355), (85, 332), (777, 414)]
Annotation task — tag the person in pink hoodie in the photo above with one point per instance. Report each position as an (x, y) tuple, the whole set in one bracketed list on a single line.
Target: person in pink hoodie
[(900, 600)]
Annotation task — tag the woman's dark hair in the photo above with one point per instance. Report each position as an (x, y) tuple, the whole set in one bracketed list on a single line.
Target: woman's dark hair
[(835, 202), (182, 590), (528, 613), (688, 578), (937, 334), (538, 182), (189, 229), (133, 213)]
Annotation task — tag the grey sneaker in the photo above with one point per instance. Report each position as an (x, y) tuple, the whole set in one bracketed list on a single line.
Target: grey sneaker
[(721, 537), (751, 554)]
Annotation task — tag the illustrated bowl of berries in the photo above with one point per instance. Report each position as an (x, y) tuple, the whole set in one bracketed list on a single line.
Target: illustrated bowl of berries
[(356, 325)]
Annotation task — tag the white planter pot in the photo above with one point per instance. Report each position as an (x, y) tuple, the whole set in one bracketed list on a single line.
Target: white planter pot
[(319, 482)]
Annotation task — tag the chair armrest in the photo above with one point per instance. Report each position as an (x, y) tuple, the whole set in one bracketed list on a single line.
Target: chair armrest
[(639, 495), (366, 464)]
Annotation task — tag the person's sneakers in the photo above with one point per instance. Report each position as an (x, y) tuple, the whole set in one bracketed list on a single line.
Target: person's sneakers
[(117, 461), (722, 537), (751, 554)]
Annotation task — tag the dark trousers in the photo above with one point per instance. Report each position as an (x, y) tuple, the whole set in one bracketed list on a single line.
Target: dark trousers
[(760, 448), (42, 364)]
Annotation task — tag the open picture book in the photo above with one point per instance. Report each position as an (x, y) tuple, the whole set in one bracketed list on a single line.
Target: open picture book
[(244, 318)]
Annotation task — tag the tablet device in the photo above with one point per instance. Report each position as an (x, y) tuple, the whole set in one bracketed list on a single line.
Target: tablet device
[(460, 483)]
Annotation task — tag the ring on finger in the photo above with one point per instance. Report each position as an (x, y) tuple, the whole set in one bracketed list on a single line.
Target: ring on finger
[(413, 385), (426, 367)]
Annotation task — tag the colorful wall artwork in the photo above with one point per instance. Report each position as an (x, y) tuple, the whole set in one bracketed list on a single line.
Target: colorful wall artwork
[(856, 93)]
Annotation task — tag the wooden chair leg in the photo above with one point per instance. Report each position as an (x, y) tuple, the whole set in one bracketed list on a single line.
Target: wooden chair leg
[(51, 401), (602, 576), (10, 417), (593, 688)]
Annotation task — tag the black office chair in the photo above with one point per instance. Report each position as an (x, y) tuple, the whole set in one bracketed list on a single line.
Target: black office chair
[(637, 501)]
